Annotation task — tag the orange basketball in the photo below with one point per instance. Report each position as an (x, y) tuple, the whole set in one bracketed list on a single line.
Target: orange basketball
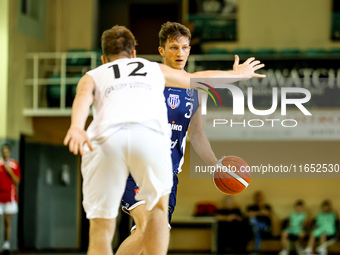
[(232, 175)]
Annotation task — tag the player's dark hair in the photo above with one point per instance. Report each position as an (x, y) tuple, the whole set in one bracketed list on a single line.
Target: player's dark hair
[(172, 31), (5, 145), (299, 203), (326, 203), (118, 40), (257, 194)]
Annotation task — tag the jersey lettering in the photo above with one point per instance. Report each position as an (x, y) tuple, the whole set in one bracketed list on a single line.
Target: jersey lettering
[(174, 143), (176, 127), (191, 105)]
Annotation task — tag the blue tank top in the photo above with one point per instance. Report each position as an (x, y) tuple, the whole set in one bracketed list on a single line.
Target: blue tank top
[(182, 105)]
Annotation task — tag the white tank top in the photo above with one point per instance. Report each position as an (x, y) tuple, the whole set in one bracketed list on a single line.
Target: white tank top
[(128, 90)]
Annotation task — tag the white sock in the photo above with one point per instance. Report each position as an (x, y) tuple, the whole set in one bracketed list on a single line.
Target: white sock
[(6, 245), (321, 248), (308, 249), (284, 252)]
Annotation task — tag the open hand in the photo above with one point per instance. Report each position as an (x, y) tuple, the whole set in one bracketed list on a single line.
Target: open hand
[(75, 138), (248, 68)]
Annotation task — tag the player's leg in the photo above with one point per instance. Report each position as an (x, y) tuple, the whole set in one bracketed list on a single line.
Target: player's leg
[(133, 245), (284, 243), (257, 228), (173, 198), (104, 178), (157, 212), (329, 241), (150, 166), (101, 236), (157, 231), (322, 249), (140, 217), (8, 209), (8, 227), (323, 238), (299, 242), (310, 245)]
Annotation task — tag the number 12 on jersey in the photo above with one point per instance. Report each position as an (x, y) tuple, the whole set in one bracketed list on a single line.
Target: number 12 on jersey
[(135, 72)]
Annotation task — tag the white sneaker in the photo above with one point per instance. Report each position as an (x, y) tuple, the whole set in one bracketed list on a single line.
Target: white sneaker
[(321, 250), (328, 243), (308, 251), (283, 252), (299, 249)]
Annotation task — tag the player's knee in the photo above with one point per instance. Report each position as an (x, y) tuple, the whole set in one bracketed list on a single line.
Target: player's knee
[(103, 226), (140, 216)]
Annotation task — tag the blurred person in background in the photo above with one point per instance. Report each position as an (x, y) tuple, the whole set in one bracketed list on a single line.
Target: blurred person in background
[(9, 181), (325, 229), (260, 219), (233, 229), (296, 229)]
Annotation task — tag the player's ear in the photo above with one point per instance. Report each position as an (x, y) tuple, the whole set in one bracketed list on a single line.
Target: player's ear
[(134, 53), (161, 51), (104, 60)]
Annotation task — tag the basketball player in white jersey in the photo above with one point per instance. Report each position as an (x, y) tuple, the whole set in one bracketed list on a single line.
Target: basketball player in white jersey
[(183, 106), (128, 134)]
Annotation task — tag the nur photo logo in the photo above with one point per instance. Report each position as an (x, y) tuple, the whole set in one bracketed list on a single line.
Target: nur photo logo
[(281, 97)]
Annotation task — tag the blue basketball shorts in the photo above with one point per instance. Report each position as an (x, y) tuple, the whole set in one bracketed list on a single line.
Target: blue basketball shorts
[(129, 202)]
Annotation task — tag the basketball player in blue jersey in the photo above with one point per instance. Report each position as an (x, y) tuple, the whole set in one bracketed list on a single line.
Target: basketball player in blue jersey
[(183, 110)]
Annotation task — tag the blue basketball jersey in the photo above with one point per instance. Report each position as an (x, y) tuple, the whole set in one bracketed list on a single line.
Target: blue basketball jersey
[(182, 105)]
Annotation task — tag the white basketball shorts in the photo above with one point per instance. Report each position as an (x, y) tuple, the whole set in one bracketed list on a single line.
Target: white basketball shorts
[(8, 208), (133, 148)]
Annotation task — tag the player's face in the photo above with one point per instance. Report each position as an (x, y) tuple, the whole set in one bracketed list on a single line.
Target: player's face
[(299, 208), (176, 52), (6, 153), (326, 208)]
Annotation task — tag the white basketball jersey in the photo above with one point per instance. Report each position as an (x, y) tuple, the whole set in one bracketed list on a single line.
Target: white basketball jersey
[(128, 90)]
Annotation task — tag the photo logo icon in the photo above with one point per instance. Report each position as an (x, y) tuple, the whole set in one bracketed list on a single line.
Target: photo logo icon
[(207, 91)]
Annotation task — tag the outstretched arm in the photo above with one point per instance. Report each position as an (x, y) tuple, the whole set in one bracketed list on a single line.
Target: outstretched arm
[(245, 71), (76, 135), (199, 139)]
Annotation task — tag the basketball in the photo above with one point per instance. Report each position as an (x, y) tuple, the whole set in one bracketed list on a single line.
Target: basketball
[(232, 175)]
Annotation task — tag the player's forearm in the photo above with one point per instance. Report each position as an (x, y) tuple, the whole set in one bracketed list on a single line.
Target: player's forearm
[(232, 76), (15, 178), (80, 110), (203, 148)]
